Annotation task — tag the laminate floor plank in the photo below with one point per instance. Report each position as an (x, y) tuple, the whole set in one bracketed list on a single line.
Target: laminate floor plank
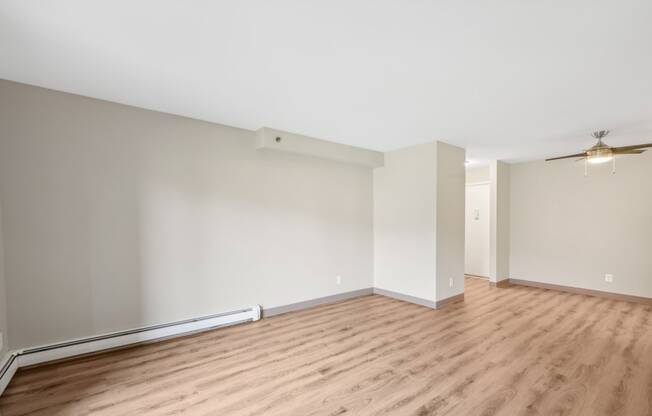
[(502, 351)]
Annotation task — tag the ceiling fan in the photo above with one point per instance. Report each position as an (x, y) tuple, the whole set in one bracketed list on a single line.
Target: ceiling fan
[(601, 152)]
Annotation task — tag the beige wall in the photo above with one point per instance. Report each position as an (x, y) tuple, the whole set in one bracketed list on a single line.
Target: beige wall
[(571, 230), (419, 221), (450, 220), (3, 295), (478, 174), (405, 198), (116, 217), (499, 239)]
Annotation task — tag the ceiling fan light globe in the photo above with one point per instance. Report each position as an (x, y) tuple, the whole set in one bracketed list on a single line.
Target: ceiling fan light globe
[(599, 155), (595, 160)]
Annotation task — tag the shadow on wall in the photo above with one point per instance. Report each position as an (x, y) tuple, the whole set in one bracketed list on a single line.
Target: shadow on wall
[(117, 217)]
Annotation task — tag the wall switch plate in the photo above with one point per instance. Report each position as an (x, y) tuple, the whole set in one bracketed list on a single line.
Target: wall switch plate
[(2, 341), (450, 282), (609, 278), (338, 279)]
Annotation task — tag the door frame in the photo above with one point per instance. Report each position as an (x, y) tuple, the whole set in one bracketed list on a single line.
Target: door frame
[(478, 183)]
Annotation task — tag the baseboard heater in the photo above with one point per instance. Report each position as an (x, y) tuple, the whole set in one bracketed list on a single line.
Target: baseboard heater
[(37, 355), (8, 370)]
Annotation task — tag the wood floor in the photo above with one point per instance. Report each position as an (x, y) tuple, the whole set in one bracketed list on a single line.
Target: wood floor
[(512, 351)]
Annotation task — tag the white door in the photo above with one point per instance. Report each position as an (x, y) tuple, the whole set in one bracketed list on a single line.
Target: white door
[(477, 230)]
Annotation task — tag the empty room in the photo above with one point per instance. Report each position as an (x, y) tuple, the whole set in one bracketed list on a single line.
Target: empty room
[(320, 208)]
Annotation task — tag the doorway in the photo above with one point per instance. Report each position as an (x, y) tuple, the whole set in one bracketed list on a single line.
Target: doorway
[(477, 229)]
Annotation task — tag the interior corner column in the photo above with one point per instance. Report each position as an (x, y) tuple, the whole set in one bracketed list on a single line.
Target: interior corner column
[(499, 228), (451, 189)]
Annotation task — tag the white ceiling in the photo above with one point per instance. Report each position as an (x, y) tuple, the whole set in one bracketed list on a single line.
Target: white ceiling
[(512, 80)]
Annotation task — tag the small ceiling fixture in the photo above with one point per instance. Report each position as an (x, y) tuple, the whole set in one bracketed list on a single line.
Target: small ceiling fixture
[(602, 153)]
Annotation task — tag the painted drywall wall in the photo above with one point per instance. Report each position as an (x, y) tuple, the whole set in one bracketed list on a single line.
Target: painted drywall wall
[(478, 174), (499, 241), (450, 220), (283, 141), (116, 217), (3, 295), (419, 221), (571, 230), (405, 204)]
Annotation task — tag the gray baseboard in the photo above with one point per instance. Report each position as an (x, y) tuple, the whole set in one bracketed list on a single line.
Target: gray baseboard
[(267, 312), (581, 291), (501, 283), (455, 298), (406, 298)]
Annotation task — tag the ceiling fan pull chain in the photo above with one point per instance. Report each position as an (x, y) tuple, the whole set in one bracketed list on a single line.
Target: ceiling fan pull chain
[(613, 165)]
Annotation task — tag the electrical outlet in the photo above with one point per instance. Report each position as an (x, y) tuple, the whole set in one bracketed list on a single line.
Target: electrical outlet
[(450, 282), (338, 279), (609, 278)]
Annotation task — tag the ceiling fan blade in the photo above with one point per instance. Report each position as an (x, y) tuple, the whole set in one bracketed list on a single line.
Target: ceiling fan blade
[(629, 152), (632, 147), (583, 154)]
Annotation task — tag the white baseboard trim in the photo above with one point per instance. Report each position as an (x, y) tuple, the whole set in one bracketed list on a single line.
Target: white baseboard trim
[(406, 298), (68, 349)]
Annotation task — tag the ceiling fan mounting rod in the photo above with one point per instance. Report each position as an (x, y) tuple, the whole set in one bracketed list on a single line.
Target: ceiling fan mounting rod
[(600, 134)]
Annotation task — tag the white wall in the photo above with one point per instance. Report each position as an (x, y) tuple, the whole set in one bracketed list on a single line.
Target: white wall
[(571, 230), (405, 203), (450, 220), (116, 217)]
